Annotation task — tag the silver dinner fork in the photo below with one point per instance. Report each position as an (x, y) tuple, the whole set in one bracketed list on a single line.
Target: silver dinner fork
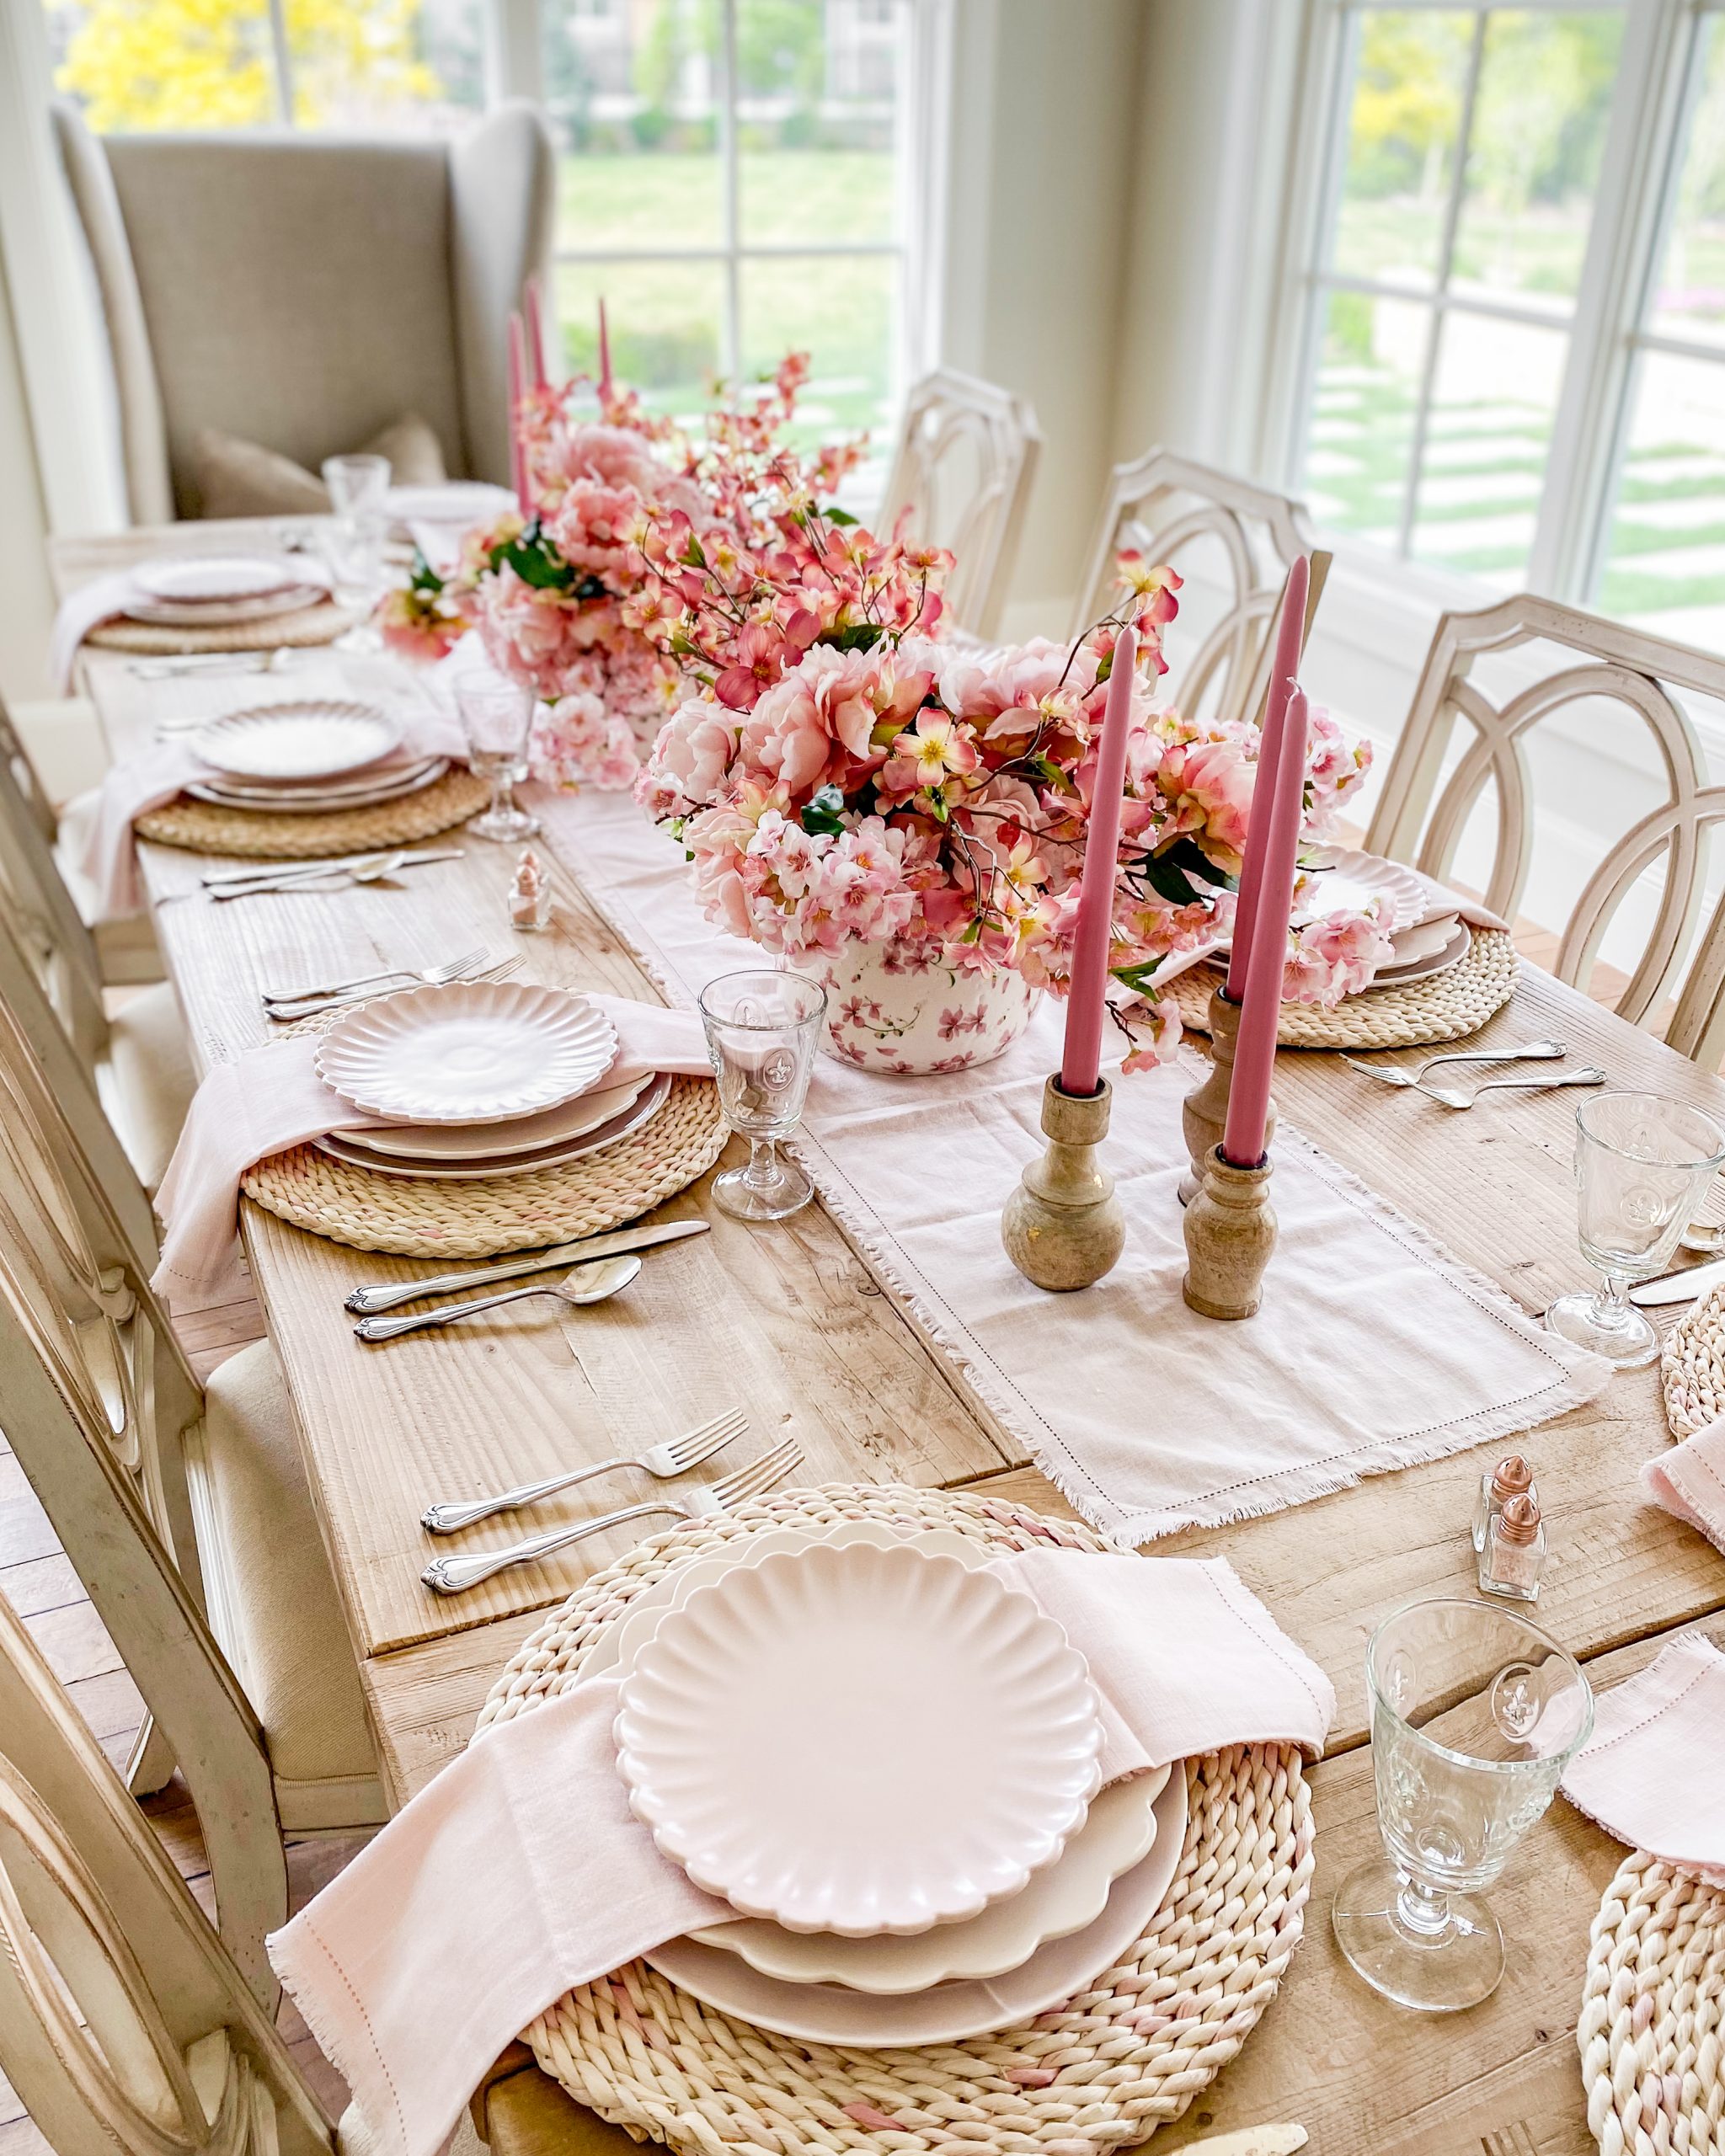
[(288, 1014), (456, 1575), (665, 1461), (1452, 1097), (1396, 1074), (427, 976)]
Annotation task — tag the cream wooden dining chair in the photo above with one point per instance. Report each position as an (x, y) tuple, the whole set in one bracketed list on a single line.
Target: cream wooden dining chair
[(185, 1513), (124, 2024), (136, 1056), (1423, 808), (1233, 541), (963, 467)]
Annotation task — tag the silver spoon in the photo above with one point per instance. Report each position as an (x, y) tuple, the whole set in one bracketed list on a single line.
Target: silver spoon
[(372, 871), (587, 1283), (1452, 1097), (1395, 1074)]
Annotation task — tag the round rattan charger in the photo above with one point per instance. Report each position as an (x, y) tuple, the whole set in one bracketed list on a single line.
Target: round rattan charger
[(1652, 2032), (1100, 2073), (1446, 1007), (206, 827), (1692, 1366), (485, 1219), (304, 628)]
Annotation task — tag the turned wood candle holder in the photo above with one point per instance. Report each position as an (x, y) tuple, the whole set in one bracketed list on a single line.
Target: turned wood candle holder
[(1231, 1232), (1063, 1227), (1205, 1112)]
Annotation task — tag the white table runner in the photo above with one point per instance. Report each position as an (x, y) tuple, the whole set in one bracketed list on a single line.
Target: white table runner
[(1373, 1347)]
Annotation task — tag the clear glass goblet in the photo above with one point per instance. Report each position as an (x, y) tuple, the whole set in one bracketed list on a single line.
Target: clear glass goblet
[(1642, 1166), (1474, 1714), (497, 715), (352, 542), (761, 1032)]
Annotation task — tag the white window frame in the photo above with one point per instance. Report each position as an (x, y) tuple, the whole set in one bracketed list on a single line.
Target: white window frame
[(919, 149), (1636, 196)]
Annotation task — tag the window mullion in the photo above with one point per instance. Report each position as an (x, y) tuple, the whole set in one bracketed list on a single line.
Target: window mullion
[(1446, 259), (731, 356), (281, 56)]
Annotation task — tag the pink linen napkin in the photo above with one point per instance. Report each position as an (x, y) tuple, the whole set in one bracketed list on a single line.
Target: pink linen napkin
[(104, 597), (1690, 1480), (519, 1873), (137, 784), (1653, 1774), (271, 1098)]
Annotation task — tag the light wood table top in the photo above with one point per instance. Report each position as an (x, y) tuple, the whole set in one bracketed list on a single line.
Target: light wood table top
[(789, 1323)]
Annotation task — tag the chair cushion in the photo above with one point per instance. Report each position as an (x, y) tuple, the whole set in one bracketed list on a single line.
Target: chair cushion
[(242, 479), (274, 1605), (149, 1080)]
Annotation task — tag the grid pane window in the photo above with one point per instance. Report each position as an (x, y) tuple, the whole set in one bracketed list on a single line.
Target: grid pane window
[(1468, 166), (369, 66), (732, 183), (1664, 564)]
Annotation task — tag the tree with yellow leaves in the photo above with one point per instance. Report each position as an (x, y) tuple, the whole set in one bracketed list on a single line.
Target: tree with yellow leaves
[(210, 63)]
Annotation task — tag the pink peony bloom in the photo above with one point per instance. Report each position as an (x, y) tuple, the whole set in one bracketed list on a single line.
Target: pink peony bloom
[(1335, 957), (1208, 787)]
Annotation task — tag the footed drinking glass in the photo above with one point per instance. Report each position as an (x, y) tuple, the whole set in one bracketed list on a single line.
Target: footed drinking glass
[(1474, 1714), (497, 715), (761, 1032), (1642, 1166), (353, 541)]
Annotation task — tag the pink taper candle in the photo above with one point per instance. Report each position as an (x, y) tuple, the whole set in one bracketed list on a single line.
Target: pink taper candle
[(605, 381), (1255, 1050), (1283, 670), (535, 333), (517, 452), (1080, 1065)]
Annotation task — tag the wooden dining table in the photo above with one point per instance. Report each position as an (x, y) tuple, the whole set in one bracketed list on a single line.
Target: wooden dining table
[(789, 1323)]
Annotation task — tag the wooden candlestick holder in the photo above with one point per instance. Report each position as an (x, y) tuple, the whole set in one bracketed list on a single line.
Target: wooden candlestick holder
[(1231, 1232), (1205, 1112), (1063, 1227)]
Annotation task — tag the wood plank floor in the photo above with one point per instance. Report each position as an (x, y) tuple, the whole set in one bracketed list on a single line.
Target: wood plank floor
[(41, 1586)]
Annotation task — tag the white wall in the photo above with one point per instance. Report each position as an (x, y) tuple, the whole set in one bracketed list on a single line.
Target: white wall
[(26, 602), (1045, 119)]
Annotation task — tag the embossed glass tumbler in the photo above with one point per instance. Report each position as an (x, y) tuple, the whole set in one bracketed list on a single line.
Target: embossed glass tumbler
[(1642, 1166), (761, 1032), (1474, 1714)]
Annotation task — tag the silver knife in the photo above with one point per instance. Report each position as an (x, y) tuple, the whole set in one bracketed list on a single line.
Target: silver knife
[(363, 872), (1678, 1286), (367, 1301), (290, 868)]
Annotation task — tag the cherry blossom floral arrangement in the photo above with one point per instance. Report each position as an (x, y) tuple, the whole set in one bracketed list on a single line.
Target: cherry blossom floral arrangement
[(839, 776)]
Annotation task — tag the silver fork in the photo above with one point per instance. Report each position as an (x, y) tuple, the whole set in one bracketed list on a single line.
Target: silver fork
[(1395, 1074), (1452, 1097), (456, 1575), (427, 976), (291, 1014), (676, 1458)]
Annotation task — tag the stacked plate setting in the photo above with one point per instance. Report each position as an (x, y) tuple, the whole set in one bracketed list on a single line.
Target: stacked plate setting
[(219, 591), (1339, 879), (309, 758), (479, 1079), (886, 1759)]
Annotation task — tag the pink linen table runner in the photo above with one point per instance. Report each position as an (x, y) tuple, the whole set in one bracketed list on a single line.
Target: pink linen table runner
[(520, 1873), (1653, 1774)]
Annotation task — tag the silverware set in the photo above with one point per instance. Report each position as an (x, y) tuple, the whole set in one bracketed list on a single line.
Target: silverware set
[(473, 965), (1452, 1097), (214, 662), (664, 1462), (350, 869)]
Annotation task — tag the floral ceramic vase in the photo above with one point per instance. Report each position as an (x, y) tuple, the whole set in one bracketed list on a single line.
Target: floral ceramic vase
[(901, 1008)]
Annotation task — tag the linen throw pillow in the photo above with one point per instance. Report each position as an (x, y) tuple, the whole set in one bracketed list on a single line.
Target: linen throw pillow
[(236, 478)]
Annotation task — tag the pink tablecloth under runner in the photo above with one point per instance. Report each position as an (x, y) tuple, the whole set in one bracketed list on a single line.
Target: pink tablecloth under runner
[(1374, 1349)]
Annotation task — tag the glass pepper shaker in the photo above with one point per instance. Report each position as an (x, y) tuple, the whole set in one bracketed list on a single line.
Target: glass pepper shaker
[(1510, 1478), (1515, 1555), (529, 894)]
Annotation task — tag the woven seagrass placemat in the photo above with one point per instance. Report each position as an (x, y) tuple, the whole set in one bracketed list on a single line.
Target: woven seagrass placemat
[(206, 827), (1100, 2073), (1447, 1007), (306, 625), (1692, 1366), (485, 1219), (1652, 2033)]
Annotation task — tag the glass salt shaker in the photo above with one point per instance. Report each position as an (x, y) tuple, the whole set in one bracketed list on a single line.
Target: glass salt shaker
[(1510, 1478), (529, 894), (1514, 1554)]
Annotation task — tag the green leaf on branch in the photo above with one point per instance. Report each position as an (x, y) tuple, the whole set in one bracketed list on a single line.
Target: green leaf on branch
[(1176, 873), (1104, 667), (860, 636), (836, 516), (822, 812), (1138, 977)]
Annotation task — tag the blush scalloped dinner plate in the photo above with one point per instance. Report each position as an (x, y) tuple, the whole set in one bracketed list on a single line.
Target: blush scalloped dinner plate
[(347, 1145), (859, 1740), (833, 2014), (288, 744), (216, 579), (472, 1052)]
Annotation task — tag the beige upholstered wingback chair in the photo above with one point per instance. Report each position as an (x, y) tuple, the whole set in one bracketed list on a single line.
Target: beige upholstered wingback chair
[(305, 292)]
